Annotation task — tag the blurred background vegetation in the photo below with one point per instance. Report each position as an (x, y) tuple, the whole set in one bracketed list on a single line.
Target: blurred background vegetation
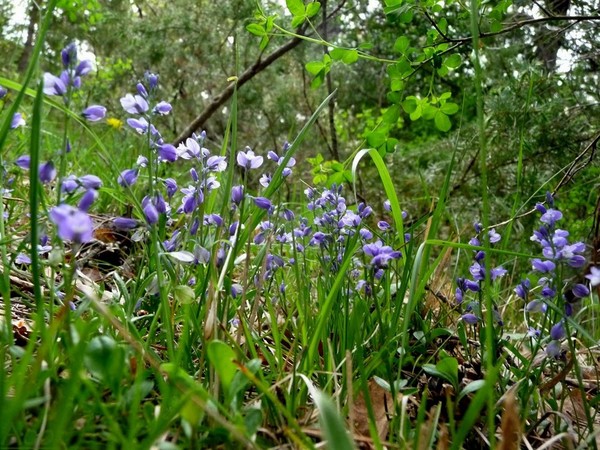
[(541, 87)]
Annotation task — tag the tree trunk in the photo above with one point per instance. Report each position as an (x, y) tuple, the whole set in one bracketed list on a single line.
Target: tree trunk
[(29, 41)]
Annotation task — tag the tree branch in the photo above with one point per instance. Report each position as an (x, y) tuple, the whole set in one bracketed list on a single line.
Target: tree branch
[(247, 75)]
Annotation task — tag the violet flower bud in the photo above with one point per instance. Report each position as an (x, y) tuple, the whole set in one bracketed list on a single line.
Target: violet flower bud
[(237, 194), (47, 172), (90, 182), (125, 223), (87, 199), (167, 152), (94, 113), (23, 161), (17, 121), (128, 177)]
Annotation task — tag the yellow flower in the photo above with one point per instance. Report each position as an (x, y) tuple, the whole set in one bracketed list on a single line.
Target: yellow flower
[(114, 123)]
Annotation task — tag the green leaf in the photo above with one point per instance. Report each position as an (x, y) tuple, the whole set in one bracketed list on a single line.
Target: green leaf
[(453, 61), (337, 54), (314, 67), (318, 80), (449, 367), (429, 111), (263, 42), (406, 17), (442, 122), (312, 9), (332, 423), (391, 144), (296, 7), (104, 358), (376, 139), (473, 386), (449, 108), (297, 21), (183, 256), (401, 44), (221, 356), (410, 104), (184, 294), (256, 29), (350, 57), (495, 26), (391, 115)]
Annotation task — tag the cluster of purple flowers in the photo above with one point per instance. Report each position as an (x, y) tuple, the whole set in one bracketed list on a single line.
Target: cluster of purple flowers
[(70, 79), (468, 290), (558, 255)]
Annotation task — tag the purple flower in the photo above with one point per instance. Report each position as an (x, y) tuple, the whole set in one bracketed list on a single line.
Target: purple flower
[(263, 203), (68, 55), (171, 186), (383, 225), (213, 219), (494, 236), (248, 160), (318, 238), (540, 208), (477, 271), (522, 289), (87, 199), (171, 244), (576, 261), (23, 161), (194, 227), (580, 291), (73, 224), (594, 276), (141, 89), (536, 306), (366, 234), (162, 108), (54, 85), (152, 79), (47, 172), (387, 205), (216, 163), (265, 180), (83, 68), (380, 254), (70, 184), (22, 258), (557, 332), (94, 113), (125, 223), (17, 121), (470, 318), (134, 104), (497, 272), (551, 216), (236, 290), (3, 92), (553, 349), (533, 333), (542, 266), (128, 177), (141, 125), (167, 152), (150, 211), (90, 182)]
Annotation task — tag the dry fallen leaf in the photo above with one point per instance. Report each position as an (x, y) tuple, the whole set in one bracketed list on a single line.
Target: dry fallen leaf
[(510, 428), (381, 402)]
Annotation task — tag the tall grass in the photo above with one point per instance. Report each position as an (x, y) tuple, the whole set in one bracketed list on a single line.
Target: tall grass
[(257, 320)]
